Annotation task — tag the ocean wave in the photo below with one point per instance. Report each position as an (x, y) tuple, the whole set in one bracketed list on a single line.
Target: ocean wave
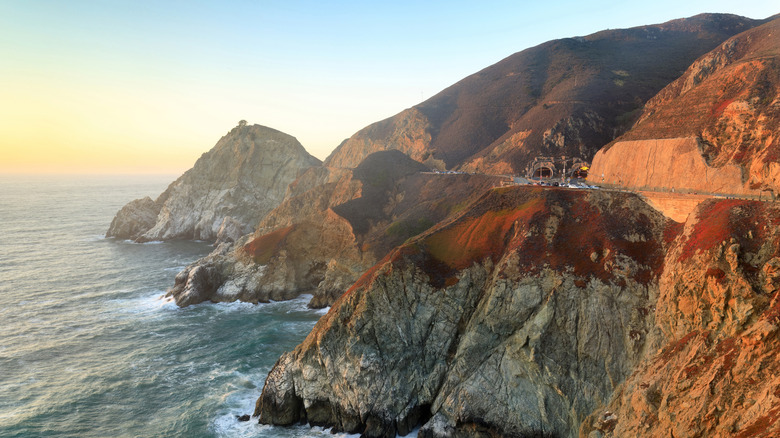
[(151, 242), (228, 426)]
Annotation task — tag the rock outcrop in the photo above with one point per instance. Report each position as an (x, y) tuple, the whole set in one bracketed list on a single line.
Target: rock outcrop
[(713, 129), (134, 219), (517, 318), (564, 97), (231, 187), (333, 225), (290, 253)]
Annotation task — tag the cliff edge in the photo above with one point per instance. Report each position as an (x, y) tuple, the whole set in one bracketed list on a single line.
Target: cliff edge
[(552, 312)]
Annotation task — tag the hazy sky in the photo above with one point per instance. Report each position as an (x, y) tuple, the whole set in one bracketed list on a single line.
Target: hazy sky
[(148, 86)]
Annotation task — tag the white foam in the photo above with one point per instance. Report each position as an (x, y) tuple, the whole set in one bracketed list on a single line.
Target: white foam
[(151, 242), (149, 302), (228, 426)]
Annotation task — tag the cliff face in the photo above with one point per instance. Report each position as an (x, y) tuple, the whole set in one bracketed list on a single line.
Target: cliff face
[(727, 104), (565, 97), (242, 178), (665, 164), (332, 226), (716, 370), (553, 313), (543, 296), (288, 253)]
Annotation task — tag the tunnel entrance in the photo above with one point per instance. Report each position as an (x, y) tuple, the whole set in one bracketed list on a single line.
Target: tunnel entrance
[(543, 172)]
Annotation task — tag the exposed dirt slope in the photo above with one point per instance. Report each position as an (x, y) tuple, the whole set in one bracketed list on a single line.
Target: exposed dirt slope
[(728, 104)]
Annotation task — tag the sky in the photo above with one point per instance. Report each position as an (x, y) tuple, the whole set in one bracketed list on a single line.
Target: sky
[(148, 86)]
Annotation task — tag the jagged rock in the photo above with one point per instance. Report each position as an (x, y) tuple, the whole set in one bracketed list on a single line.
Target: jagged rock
[(134, 219), (230, 231), (243, 177), (500, 324), (196, 284), (714, 370), (499, 298)]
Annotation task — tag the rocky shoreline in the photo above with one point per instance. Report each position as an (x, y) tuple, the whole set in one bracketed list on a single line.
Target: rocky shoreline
[(470, 309)]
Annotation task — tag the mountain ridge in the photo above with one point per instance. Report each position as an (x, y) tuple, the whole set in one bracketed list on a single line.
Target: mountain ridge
[(564, 97)]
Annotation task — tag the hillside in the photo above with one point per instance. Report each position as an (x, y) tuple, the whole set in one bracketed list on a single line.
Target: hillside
[(565, 97), (541, 295), (725, 110)]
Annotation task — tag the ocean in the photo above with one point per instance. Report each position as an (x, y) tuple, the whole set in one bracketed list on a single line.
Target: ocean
[(89, 350)]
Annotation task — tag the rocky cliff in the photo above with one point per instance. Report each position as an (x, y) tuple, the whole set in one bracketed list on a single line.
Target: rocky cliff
[(565, 97), (518, 318), (332, 226), (231, 187), (549, 312), (720, 117), (715, 371)]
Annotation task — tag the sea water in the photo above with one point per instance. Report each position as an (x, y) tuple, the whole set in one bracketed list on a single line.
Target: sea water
[(87, 348)]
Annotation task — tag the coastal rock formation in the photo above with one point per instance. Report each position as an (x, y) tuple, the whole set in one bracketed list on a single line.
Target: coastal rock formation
[(716, 371), (721, 116), (242, 178), (288, 254), (544, 296), (550, 312), (333, 225), (564, 97), (134, 219)]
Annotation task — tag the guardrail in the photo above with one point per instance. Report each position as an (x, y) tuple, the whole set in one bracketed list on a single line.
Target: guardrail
[(766, 196)]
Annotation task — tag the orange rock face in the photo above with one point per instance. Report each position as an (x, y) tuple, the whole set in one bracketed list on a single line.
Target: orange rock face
[(712, 367), (665, 164), (713, 129)]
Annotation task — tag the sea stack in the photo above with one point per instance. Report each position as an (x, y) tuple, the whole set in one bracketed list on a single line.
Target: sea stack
[(240, 180)]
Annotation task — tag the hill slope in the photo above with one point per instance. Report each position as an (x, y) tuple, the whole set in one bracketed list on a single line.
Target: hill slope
[(724, 111), (565, 97), (552, 312)]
